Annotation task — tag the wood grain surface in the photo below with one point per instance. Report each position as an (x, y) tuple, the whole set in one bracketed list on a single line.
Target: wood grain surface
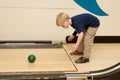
[(102, 56), (53, 59)]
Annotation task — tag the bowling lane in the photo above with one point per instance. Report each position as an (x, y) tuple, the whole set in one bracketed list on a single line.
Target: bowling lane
[(52, 59), (103, 56)]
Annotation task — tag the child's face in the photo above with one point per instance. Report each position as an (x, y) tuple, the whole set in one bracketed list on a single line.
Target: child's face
[(65, 24)]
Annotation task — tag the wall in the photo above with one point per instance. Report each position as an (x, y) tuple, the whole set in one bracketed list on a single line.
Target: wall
[(35, 19)]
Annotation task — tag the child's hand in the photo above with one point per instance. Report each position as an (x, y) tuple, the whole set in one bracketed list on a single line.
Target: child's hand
[(70, 38), (74, 49)]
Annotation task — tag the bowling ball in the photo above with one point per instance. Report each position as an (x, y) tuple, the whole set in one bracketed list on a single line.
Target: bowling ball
[(76, 53), (31, 58), (72, 41)]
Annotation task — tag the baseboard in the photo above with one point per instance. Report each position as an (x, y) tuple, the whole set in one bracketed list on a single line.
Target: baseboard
[(97, 39), (107, 39), (100, 39)]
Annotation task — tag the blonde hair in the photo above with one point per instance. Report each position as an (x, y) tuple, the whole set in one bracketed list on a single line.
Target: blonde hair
[(61, 18)]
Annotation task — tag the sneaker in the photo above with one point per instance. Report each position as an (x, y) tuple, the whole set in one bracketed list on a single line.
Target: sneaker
[(82, 60), (76, 53)]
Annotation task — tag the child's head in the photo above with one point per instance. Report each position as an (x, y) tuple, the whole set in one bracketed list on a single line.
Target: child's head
[(63, 20)]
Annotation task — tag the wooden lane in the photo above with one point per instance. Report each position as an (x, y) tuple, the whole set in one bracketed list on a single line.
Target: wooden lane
[(103, 56), (52, 59)]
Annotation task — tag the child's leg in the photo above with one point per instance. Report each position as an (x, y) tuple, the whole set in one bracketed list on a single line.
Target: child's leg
[(88, 41)]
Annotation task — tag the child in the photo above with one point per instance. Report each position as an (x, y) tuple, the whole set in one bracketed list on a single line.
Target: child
[(85, 26)]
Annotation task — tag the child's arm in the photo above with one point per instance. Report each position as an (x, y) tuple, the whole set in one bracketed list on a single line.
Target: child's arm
[(74, 33), (75, 47)]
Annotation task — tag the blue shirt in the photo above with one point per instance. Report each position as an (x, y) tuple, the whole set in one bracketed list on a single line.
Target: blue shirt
[(81, 22)]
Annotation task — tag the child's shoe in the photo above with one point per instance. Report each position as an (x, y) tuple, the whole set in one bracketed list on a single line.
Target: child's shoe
[(82, 60)]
